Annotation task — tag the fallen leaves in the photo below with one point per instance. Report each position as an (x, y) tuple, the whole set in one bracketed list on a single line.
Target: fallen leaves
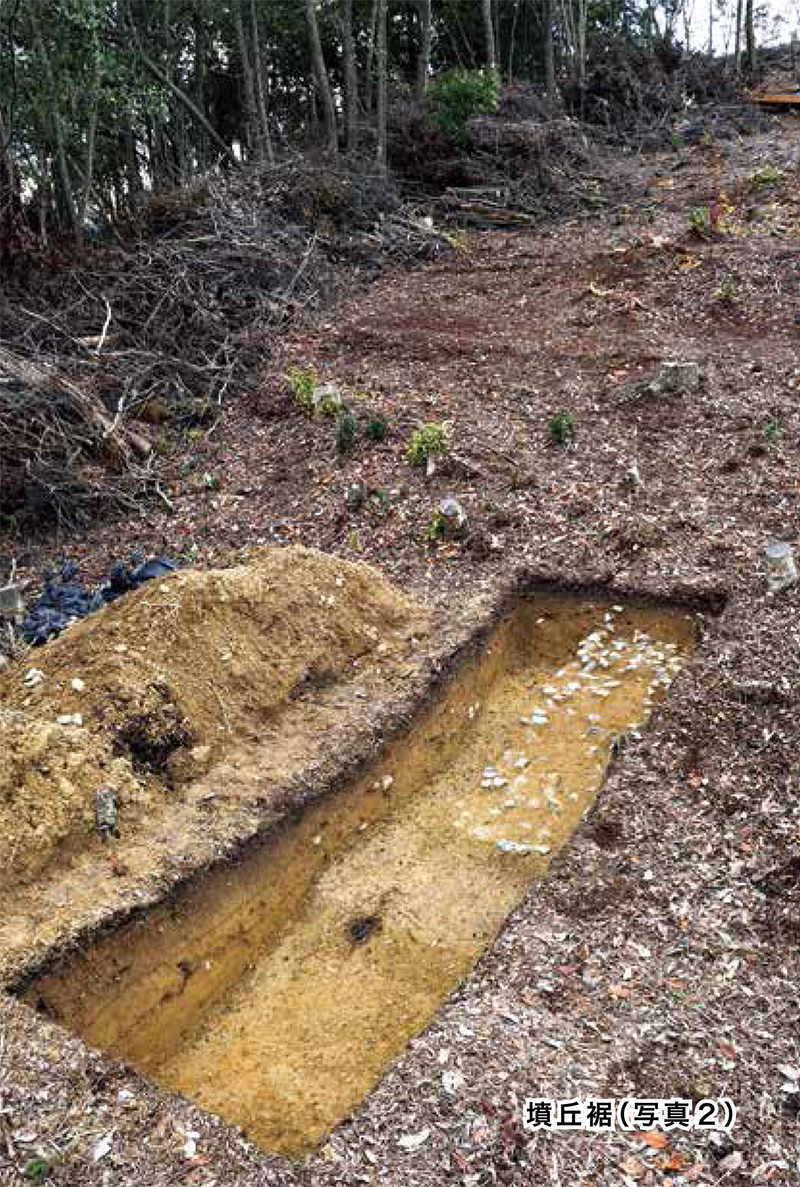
[(653, 1139)]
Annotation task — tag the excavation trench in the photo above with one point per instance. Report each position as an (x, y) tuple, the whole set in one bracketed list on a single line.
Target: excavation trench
[(276, 991)]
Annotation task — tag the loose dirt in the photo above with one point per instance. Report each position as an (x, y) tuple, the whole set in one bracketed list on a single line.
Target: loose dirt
[(149, 693)]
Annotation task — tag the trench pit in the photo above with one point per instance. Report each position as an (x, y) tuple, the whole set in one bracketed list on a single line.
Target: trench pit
[(276, 991)]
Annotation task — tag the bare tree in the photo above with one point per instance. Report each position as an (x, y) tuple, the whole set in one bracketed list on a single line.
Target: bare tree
[(321, 74)]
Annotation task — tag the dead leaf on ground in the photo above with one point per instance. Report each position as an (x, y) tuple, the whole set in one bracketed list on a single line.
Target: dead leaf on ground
[(656, 1141)]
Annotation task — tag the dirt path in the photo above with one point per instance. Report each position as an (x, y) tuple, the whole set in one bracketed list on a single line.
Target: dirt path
[(661, 956)]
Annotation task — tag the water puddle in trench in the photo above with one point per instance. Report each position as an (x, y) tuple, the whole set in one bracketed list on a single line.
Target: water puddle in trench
[(277, 991)]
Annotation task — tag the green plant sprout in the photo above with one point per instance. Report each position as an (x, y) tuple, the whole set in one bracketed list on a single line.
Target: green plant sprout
[(426, 441)]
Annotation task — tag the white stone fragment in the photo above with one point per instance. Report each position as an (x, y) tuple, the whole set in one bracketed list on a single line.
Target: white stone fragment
[(69, 719), (514, 847)]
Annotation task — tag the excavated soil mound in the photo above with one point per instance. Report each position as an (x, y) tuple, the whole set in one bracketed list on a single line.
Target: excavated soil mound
[(49, 776), (144, 695)]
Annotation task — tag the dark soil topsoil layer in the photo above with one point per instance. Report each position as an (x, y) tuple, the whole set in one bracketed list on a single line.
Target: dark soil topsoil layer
[(661, 957)]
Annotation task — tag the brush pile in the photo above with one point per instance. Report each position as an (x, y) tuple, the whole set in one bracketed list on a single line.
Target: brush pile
[(165, 323)]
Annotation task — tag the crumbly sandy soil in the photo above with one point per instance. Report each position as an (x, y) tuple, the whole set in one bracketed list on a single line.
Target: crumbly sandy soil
[(144, 697), (660, 957)]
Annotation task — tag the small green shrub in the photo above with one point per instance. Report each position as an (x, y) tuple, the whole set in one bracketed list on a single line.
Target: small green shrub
[(700, 221), (303, 383), (677, 141), (345, 432), (768, 176), (436, 528), (726, 293), (456, 96), (772, 433), (37, 1169), (561, 429), (426, 441), (329, 403), (377, 427)]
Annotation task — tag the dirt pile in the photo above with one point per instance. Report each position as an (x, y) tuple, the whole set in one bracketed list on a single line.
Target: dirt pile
[(49, 776), (146, 694)]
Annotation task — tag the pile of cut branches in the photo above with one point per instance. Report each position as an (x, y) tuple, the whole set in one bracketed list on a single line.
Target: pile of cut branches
[(175, 315), (60, 451), (638, 96)]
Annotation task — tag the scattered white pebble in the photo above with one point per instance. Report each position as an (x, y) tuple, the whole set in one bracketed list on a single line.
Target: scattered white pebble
[(69, 719), (514, 847)]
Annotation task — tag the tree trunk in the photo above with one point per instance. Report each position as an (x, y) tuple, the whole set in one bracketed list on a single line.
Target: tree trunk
[(512, 41), (11, 238), (200, 30), (549, 52), (750, 36), (265, 136), (64, 180), (91, 137), (424, 58), (248, 84), (321, 74), (737, 52), (186, 101), (350, 76), (583, 17), (488, 28), (382, 72), (370, 70)]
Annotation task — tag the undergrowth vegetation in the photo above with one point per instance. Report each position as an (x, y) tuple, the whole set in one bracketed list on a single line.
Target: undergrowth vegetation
[(460, 94)]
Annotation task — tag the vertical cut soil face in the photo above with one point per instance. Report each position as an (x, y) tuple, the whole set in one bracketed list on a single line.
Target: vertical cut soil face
[(276, 992)]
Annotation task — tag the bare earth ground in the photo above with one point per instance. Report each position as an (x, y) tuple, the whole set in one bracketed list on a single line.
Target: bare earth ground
[(661, 956)]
